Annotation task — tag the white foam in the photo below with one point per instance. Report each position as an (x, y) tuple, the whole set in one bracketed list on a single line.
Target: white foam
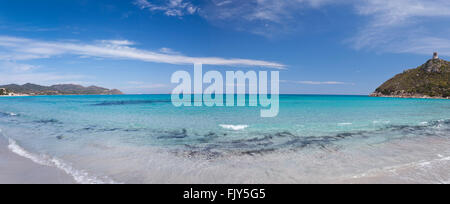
[(344, 124), (234, 127), (12, 114), (382, 122), (393, 169), (79, 176)]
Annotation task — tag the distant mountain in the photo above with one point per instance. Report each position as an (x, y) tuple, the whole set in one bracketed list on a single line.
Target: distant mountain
[(62, 89), (431, 80)]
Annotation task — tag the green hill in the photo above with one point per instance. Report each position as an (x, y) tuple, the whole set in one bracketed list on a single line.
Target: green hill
[(431, 80), (63, 89)]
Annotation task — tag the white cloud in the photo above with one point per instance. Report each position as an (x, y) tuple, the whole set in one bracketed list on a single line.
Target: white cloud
[(399, 11), (261, 17), (44, 49), (11, 66), (168, 7), (18, 73), (256, 16), (317, 82), (118, 42), (13, 72), (404, 26), (136, 82), (147, 86), (425, 45), (412, 26), (168, 51), (265, 10), (37, 78), (139, 87)]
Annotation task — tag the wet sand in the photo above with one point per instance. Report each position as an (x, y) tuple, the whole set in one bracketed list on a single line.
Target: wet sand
[(15, 169)]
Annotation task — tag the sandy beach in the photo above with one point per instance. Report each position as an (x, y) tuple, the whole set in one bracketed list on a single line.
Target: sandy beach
[(15, 169)]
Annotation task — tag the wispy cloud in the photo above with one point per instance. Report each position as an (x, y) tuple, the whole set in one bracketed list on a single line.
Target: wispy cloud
[(11, 66), (412, 26), (23, 48), (404, 26), (256, 16), (38, 78), (168, 7), (317, 82), (399, 26), (118, 42), (145, 85), (168, 51), (261, 17), (21, 73)]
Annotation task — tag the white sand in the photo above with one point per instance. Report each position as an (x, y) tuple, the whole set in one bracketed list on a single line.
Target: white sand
[(15, 169)]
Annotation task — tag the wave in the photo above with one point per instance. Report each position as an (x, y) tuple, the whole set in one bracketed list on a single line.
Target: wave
[(381, 122), (234, 127), (427, 164), (8, 114), (344, 124), (79, 176)]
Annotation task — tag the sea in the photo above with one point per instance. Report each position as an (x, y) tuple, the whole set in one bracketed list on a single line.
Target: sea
[(314, 139)]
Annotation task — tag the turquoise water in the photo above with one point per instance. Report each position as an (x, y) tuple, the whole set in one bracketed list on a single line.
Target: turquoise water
[(145, 139)]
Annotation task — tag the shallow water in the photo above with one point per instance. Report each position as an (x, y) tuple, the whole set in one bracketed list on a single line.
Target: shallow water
[(315, 139)]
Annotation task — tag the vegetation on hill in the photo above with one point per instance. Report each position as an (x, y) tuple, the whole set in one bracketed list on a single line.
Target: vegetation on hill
[(3, 92), (429, 80), (63, 89)]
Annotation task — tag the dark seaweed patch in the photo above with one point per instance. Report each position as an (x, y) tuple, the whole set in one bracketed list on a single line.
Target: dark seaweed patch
[(108, 130), (266, 143), (48, 121), (424, 130), (90, 128), (136, 102), (209, 137), (132, 130), (210, 145), (259, 151), (94, 128), (284, 134), (174, 135)]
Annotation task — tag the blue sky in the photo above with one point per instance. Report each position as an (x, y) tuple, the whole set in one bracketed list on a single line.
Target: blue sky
[(319, 46)]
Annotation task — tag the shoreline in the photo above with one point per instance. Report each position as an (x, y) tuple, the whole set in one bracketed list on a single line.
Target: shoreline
[(406, 96), (16, 169)]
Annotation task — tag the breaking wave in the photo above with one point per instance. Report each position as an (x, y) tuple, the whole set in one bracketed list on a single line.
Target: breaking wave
[(344, 124), (79, 176), (234, 127), (7, 114)]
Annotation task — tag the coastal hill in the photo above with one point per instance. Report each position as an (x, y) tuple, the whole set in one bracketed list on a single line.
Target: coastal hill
[(62, 89), (430, 80)]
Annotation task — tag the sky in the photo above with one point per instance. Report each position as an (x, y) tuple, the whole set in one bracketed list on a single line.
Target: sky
[(319, 46)]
